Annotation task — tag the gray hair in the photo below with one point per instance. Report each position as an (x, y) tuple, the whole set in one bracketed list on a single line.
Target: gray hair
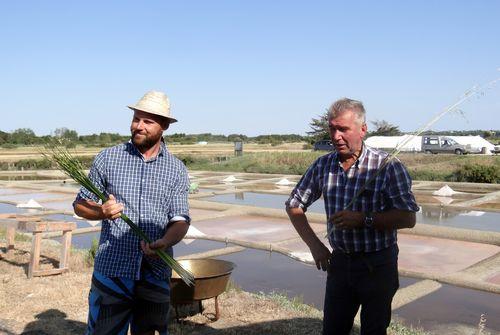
[(346, 104)]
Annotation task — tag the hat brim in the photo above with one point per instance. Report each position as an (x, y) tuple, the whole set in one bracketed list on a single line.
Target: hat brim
[(170, 119)]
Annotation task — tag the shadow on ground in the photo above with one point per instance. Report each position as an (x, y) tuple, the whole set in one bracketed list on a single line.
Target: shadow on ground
[(53, 322), (298, 326), (21, 259)]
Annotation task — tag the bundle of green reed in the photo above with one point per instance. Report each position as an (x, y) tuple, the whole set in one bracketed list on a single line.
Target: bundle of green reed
[(71, 166)]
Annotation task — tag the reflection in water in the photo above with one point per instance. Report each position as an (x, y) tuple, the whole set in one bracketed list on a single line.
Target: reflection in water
[(476, 220), (456, 306), (487, 221), (437, 213)]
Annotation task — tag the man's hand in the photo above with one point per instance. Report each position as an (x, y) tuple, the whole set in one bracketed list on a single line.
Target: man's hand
[(174, 234), (111, 209), (348, 219), (149, 248), (321, 256)]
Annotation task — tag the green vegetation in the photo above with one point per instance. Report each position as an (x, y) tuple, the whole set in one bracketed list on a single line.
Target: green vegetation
[(479, 169), (17, 237), (25, 136), (466, 168), (233, 286), (384, 128), (90, 256), (39, 164), (478, 174), (275, 162), (294, 304)]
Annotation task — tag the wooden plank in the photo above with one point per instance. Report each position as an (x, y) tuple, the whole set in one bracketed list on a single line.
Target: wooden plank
[(8, 216), (49, 272), (22, 218), (65, 250), (46, 226), (10, 235), (35, 254), (6, 223)]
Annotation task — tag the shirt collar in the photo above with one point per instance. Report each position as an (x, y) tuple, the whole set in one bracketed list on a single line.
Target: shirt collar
[(362, 156)]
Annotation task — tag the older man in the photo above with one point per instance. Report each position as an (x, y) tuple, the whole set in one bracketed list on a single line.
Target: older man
[(362, 269), (130, 285)]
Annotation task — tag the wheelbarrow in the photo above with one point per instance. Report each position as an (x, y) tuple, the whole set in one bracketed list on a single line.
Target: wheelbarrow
[(210, 280)]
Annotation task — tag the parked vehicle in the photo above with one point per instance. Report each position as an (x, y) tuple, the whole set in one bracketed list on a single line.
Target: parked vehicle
[(323, 145), (496, 150), (442, 144)]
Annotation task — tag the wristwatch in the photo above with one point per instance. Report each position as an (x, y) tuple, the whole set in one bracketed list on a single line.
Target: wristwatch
[(369, 220)]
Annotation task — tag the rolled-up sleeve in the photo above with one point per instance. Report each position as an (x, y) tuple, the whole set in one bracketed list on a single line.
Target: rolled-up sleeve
[(179, 206), (398, 187), (307, 190)]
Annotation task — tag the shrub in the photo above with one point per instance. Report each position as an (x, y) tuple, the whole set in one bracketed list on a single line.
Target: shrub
[(429, 174), (33, 164), (92, 251), (478, 174)]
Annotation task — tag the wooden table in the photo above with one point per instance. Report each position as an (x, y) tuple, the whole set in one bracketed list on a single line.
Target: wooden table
[(38, 227)]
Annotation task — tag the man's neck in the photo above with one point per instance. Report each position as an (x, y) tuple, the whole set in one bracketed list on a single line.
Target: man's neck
[(151, 152), (348, 160)]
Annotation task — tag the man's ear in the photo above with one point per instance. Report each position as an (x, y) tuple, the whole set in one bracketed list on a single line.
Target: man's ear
[(364, 129), (165, 125)]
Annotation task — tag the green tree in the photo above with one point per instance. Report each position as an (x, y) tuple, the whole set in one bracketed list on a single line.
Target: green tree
[(384, 128), (319, 128), (65, 133), (4, 137), (23, 136)]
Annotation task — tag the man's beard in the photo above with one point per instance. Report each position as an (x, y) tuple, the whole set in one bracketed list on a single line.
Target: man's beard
[(146, 142)]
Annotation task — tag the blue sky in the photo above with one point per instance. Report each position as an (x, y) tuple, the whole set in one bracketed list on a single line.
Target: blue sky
[(251, 67)]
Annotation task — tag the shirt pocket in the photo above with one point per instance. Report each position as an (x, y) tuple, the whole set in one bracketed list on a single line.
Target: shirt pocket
[(370, 199)]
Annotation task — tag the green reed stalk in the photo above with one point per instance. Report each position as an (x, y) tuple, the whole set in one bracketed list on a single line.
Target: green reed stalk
[(74, 169)]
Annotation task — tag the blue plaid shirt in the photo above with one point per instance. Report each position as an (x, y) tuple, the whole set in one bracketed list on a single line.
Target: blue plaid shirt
[(152, 192), (390, 189)]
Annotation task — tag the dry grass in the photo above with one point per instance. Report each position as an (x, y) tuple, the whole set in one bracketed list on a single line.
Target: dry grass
[(58, 304)]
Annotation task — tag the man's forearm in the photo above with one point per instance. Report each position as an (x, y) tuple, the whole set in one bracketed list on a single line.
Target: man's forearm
[(175, 233), (302, 226), (89, 210), (394, 219)]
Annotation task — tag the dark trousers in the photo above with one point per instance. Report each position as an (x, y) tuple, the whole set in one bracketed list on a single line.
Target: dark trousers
[(369, 280)]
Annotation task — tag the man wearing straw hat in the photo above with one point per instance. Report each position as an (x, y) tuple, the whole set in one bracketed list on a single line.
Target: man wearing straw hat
[(367, 198), (130, 284)]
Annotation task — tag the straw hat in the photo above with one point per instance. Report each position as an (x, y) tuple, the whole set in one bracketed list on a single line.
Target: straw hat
[(154, 102)]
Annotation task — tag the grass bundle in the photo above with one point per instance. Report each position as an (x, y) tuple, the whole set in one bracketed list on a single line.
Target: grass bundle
[(74, 169)]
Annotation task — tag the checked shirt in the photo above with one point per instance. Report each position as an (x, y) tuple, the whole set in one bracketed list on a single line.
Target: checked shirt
[(152, 192), (391, 189)]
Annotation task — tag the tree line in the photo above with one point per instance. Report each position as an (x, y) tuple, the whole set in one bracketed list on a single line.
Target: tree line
[(319, 131), (26, 136)]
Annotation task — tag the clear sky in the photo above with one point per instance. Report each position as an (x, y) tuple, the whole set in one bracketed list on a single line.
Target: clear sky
[(251, 67)]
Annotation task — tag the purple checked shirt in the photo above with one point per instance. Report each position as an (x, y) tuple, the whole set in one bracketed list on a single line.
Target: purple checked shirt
[(391, 189)]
